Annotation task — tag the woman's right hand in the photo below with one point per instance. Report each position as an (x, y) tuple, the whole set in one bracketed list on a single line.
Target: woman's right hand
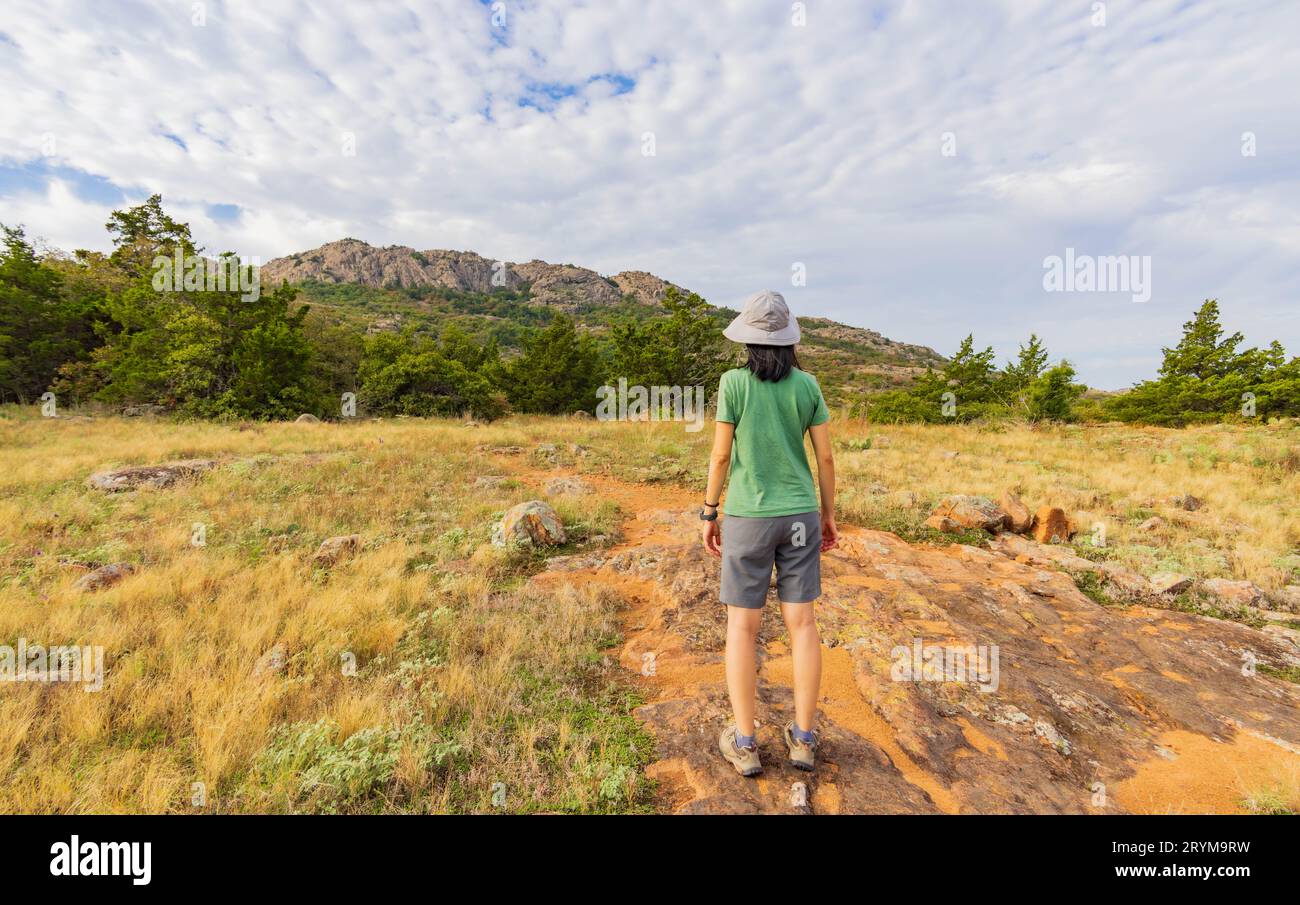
[(712, 535), (830, 534)]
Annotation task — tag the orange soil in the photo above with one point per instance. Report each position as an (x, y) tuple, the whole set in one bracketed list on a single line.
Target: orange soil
[(1206, 777)]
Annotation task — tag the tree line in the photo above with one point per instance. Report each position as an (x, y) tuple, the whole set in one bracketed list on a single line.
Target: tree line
[(98, 328), (1208, 376)]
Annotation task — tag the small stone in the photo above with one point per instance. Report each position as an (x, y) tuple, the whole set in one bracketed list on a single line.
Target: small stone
[(1188, 502), (943, 523), (272, 662), (335, 549), (567, 487), (1170, 583), (104, 577), (1155, 523)]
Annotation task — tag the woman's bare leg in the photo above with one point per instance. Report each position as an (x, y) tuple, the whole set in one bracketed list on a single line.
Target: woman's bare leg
[(806, 649), (742, 668)]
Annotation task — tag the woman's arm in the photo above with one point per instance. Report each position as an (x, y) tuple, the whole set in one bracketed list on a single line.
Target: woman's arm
[(821, 440), (719, 462)]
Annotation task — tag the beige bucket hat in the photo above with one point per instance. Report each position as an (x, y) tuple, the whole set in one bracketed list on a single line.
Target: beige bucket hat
[(764, 321)]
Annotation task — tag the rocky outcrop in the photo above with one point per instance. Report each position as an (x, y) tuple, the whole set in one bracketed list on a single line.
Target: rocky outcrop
[(565, 286), (967, 512), (1080, 697), (150, 476)]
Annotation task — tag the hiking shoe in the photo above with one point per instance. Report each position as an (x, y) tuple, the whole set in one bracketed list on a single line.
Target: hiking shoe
[(745, 760), (802, 755)]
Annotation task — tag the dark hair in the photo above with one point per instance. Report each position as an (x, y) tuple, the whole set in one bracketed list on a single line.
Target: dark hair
[(772, 363)]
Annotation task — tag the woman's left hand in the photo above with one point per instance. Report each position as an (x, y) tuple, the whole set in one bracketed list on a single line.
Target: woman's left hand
[(712, 536)]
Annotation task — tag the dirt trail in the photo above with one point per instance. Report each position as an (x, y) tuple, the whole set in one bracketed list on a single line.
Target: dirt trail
[(1095, 709)]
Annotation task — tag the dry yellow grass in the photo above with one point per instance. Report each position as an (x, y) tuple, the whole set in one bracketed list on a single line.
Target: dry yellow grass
[(464, 679), (1111, 475), (465, 676)]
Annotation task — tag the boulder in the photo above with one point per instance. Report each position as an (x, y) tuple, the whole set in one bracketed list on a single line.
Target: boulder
[(336, 549), (1188, 502), (971, 512), (567, 486), (306, 418), (1019, 518), (104, 577), (154, 476), (1051, 525), (1170, 583), (1244, 593), (1155, 523), (533, 522), (582, 414)]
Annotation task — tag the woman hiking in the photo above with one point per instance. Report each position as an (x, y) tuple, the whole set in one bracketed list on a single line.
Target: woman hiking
[(772, 519)]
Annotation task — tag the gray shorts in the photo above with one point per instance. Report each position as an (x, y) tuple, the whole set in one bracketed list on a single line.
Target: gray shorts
[(751, 546)]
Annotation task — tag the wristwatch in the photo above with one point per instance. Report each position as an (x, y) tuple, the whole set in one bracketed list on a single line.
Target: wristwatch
[(704, 516)]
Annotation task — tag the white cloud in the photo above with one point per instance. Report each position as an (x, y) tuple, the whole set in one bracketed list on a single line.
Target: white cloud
[(775, 144)]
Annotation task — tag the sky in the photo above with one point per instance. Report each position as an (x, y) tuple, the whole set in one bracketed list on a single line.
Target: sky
[(907, 166)]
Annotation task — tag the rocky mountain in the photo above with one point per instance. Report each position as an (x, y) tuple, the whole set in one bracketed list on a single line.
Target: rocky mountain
[(391, 287), (563, 286)]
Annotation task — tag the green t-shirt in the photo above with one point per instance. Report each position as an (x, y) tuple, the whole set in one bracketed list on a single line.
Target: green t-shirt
[(769, 467)]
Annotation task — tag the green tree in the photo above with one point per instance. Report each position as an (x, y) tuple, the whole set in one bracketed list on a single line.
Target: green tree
[(142, 232), (1208, 377), (406, 374), (1050, 396), (558, 372), (684, 347), (1203, 352), (46, 322)]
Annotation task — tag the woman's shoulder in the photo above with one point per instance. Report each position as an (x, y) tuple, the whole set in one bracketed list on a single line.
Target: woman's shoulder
[(804, 377)]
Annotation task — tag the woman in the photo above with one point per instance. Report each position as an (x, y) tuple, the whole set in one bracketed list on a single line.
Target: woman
[(764, 410)]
